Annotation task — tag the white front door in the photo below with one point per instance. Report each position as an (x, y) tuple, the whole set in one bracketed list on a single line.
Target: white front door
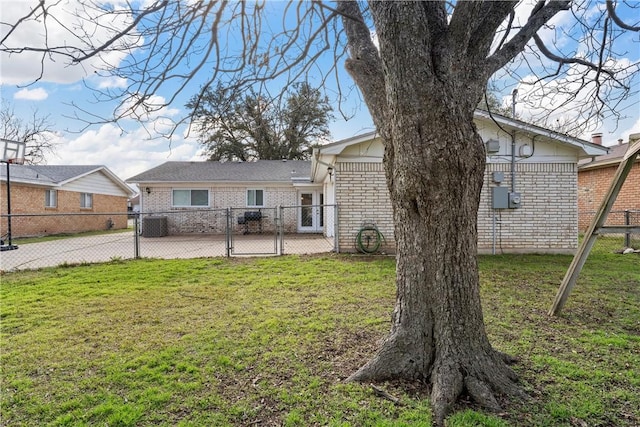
[(310, 211)]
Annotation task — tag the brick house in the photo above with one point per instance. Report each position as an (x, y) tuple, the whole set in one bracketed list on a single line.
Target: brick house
[(594, 179), (543, 216), (536, 212), (53, 196), (193, 196)]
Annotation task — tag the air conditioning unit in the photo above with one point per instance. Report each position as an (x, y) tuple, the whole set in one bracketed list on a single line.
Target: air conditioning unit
[(155, 226)]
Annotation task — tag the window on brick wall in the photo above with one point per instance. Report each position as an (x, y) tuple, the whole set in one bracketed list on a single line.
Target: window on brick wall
[(50, 198), (255, 198), (86, 200), (190, 198)]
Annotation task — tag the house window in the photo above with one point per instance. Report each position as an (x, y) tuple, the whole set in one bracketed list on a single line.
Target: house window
[(190, 198), (86, 200), (255, 198), (50, 198)]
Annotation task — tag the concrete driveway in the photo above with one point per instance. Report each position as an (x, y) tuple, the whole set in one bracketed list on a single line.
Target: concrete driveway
[(107, 247)]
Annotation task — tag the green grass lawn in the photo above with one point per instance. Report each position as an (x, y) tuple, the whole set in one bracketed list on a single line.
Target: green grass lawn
[(241, 342)]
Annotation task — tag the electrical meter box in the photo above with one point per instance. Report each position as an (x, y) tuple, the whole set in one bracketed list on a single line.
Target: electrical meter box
[(514, 200), (499, 197), (492, 146), (497, 176)]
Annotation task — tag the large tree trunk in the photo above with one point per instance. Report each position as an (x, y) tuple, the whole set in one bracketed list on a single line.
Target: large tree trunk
[(422, 98), (437, 334)]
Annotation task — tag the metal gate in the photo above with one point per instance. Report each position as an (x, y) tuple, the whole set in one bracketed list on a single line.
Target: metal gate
[(252, 231)]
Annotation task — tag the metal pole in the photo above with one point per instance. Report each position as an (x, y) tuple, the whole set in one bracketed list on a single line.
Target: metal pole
[(280, 225), (627, 222), (513, 142), (493, 247), (8, 204), (227, 243), (136, 236), (336, 228), (10, 245)]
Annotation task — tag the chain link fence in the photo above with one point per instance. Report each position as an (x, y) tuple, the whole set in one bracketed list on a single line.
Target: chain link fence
[(45, 240), (616, 242), (78, 238)]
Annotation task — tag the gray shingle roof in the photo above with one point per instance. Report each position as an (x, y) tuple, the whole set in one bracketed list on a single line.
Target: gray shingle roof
[(46, 174), (261, 170), (58, 175), (614, 157)]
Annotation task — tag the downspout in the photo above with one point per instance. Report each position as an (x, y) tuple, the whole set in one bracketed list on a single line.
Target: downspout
[(335, 206), (317, 156), (513, 142), (329, 168)]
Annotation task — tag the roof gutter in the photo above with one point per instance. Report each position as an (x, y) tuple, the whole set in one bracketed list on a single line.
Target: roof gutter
[(588, 148), (316, 158)]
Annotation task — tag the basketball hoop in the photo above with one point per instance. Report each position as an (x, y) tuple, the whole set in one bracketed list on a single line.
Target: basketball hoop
[(16, 161), (12, 151)]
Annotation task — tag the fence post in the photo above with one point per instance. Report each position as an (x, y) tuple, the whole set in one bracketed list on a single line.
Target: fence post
[(627, 222), (336, 229), (136, 235), (280, 228), (227, 242)]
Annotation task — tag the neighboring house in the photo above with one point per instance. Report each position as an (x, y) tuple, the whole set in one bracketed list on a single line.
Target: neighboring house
[(349, 174), (595, 176), (261, 186), (544, 179), (134, 204), (51, 195)]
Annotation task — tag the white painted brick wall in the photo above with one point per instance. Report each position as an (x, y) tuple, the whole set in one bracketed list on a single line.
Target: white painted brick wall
[(362, 196), (546, 222), (548, 218), (159, 200)]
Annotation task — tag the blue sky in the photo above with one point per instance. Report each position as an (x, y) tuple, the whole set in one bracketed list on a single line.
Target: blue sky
[(131, 152)]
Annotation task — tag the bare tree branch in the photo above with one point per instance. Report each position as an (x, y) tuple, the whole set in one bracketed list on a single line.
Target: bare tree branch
[(127, 30), (539, 17), (37, 132), (562, 60), (21, 20), (364, 63), (619, 22)]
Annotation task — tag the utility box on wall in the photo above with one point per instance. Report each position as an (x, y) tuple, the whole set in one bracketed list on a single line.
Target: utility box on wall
[(514, 200), (492, 147), (499, 197)]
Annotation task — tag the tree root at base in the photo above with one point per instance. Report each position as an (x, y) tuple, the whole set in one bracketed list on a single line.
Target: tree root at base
[(450, 379)]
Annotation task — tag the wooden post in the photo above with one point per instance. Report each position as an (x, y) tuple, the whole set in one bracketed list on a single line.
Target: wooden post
[(592, 233)]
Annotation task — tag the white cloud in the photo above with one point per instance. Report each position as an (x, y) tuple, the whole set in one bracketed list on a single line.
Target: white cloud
[(83, 19), (112, 82), (37, 94), (125, 154)]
